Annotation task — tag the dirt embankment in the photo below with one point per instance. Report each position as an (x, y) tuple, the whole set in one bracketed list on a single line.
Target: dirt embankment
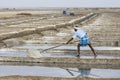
[(50, 78)]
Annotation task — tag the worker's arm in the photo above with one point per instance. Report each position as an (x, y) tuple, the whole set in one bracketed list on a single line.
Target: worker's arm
[(69, 40)]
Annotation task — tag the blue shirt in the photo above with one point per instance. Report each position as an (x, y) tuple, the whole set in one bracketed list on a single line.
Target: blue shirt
[(79, 34)]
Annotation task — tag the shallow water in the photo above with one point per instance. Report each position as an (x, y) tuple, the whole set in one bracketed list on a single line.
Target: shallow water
[(14, 53), (60, 51), (55, 54), (45, 54), (58, 72), (45, 46)]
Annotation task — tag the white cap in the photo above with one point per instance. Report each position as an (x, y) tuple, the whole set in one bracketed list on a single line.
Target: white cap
[(76, 27)]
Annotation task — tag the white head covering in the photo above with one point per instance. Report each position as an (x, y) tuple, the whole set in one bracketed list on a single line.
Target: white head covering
[(76, 27)]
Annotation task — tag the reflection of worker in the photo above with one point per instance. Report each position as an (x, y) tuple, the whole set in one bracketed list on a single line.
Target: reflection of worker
[(84, 72), (82, 35)]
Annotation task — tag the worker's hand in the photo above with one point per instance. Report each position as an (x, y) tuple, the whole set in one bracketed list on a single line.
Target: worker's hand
[(67, 42)]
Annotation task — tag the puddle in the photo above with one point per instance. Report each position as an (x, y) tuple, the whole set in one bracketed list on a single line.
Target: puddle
[(58, 72), (14, 53)]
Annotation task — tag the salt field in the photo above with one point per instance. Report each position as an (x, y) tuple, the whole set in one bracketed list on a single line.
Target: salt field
[(33, 44)]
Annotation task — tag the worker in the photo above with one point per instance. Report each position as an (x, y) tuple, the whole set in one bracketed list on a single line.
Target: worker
[(83, 40)]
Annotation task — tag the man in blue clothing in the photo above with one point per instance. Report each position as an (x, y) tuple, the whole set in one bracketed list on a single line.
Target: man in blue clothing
[(83, 40)]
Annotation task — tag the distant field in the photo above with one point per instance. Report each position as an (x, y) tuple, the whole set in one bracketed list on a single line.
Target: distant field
[(13, 13)]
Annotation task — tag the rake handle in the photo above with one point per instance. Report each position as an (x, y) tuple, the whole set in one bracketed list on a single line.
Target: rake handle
[(52, 47), (55, 47)]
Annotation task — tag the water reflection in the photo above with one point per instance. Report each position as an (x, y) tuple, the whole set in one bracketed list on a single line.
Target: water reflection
[(5, 70), (93, 73), (79, 73), (84, 72)]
